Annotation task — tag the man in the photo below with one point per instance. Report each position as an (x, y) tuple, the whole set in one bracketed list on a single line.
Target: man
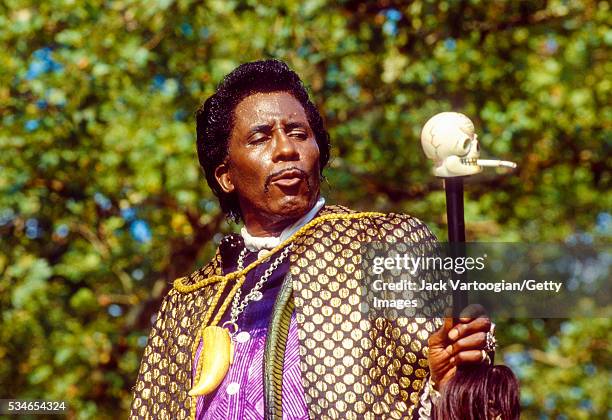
[(287, 291)]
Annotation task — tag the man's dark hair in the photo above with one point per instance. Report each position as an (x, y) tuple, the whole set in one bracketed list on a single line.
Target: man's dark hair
[(215, 118)]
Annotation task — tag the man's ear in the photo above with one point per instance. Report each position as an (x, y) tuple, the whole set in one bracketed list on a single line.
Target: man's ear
[(223, 177)]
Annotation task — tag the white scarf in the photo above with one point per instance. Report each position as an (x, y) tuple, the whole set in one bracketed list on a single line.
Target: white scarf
[(257, 243)]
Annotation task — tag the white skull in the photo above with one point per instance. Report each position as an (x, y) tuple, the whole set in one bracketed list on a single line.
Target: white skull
[(449, 140)]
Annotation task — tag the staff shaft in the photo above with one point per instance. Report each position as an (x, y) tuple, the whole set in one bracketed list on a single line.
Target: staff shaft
[(456, 234)]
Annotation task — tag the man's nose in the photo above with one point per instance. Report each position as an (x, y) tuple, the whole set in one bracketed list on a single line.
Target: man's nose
[(284, 147)]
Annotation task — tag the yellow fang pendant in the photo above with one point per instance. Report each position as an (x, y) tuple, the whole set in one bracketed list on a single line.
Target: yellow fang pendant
[(217, 355)]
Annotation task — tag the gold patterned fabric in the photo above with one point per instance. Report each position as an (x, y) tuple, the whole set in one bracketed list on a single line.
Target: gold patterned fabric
[(353, 367)]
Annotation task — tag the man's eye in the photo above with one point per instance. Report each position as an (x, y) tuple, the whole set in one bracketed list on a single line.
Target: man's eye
[(298, 134), (258, 139)]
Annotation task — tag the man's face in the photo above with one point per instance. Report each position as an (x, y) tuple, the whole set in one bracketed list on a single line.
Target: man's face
[(273, 163)]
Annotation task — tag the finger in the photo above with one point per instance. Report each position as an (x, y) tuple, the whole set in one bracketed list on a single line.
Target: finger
[(463, 330), (469, 356), (472, 311), (471, 342), (441, 335), (448, 323)]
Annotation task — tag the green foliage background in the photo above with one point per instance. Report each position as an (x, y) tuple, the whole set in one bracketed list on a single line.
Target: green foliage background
[(102, 203)]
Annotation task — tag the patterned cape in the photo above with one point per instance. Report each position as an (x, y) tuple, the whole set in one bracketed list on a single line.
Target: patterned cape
[(353, 366)]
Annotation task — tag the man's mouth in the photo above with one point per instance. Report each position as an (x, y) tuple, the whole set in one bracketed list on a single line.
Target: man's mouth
[(287, 177)]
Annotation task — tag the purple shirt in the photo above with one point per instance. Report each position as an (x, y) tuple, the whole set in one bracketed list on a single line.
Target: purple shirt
[(241, 394)]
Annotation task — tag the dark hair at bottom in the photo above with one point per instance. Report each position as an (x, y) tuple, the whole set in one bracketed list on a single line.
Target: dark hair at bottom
[(480, 392)]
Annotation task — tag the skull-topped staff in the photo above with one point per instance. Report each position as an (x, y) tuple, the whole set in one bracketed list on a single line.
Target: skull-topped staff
[(449, 139)]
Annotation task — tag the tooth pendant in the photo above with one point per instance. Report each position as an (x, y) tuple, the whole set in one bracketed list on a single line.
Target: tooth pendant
[(217, 355)]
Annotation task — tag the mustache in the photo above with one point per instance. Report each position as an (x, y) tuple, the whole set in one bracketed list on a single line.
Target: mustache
[(303, 174)]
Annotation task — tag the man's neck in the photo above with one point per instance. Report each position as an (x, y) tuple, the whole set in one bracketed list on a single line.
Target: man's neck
[(260, 224), (274, 226), (258, 242), (268, 228)]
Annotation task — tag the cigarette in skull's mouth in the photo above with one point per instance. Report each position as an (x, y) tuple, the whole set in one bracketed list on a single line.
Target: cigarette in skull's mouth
[(495, 162)]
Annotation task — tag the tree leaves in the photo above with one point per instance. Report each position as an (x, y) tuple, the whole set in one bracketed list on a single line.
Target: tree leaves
[(102, 202)]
